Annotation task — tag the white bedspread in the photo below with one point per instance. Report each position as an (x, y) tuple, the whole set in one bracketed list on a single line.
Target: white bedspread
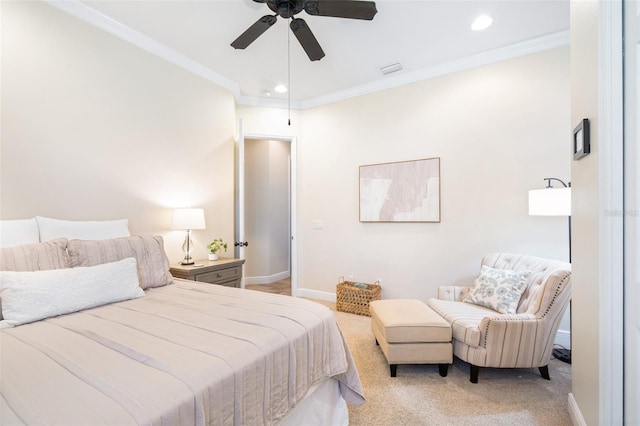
[(187, 353)]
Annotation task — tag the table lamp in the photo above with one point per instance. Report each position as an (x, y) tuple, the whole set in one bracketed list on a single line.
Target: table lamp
[(187, 219)]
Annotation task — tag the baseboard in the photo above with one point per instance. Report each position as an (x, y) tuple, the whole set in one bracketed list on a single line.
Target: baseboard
[(574, 412), (315, 294), (563, 338), (270, 279)]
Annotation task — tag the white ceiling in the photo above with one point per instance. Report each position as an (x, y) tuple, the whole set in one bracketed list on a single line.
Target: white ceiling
[(428, 37)]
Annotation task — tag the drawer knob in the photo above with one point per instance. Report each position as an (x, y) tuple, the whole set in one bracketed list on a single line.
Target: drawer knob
[(219, 274)]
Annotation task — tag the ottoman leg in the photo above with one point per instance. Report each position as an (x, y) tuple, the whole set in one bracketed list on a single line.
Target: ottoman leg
[(393, 369), (442, 368)]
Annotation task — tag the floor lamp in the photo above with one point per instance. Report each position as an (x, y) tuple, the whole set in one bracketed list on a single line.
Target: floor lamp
[(554, 202)]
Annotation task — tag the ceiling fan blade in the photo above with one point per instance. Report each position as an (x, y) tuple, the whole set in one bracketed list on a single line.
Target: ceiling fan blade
[(342, 8), (254, 31), (306, 38)]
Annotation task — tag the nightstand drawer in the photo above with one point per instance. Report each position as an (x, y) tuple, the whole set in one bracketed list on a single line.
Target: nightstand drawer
[(227, 272), (220, 276)]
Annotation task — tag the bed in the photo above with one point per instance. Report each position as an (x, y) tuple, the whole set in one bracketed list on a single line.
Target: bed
[(182, 353)]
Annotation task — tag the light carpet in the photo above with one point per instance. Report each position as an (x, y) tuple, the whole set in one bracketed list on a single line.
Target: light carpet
[(420, 396)]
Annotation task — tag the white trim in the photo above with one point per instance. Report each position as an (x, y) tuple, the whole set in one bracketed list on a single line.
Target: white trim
[(534, 45), (92, 16), (315, 294), (574, 412), (267, 279), (610, 227)]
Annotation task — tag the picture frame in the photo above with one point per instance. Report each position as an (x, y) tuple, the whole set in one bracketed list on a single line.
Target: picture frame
[(581, 142), (403, 191)]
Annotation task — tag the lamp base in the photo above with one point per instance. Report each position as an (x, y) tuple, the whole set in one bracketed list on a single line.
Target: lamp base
[(187, 263), (562, 354)]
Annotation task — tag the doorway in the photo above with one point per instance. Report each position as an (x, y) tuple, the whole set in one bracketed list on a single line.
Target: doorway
[(265, 211)]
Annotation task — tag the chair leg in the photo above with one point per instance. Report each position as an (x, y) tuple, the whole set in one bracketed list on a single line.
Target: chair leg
[(443, 369), (393, 369), (474, 373), (377, 344), (544, 372)]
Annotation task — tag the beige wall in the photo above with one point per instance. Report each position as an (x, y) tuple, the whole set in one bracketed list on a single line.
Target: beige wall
[(95, 128), (586, 213), (498, 129)]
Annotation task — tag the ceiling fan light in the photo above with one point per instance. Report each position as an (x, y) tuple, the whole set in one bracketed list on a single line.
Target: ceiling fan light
[(280, 88), (481, 22)]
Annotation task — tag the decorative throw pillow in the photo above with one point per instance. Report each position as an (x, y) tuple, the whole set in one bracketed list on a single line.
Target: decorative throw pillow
[(35, 295), (498, 289), (82, 229), (34, 257), (153, 263), (18, 232)]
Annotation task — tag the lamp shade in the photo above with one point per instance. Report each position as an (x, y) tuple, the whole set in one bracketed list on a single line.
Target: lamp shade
[(550, 202), (188, 219)]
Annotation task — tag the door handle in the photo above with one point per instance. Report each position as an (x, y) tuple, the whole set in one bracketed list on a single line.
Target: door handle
[(241, 244)]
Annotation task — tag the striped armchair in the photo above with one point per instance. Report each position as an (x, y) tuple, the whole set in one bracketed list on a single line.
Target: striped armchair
[(485, 338)]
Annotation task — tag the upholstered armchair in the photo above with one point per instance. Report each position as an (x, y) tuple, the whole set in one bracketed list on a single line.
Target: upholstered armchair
[(485, 338)]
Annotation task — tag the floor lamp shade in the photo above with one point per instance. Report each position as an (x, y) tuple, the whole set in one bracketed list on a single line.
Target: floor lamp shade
[(187, 219), (554, 202), (550, 202)]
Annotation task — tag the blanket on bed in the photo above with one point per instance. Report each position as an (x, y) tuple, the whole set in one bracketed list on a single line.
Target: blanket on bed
[(187, 353)]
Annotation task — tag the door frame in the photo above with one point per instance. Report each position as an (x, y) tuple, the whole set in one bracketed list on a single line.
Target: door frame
[(240, 194)]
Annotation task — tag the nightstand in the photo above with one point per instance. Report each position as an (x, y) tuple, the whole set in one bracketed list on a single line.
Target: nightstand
[(227, 272)]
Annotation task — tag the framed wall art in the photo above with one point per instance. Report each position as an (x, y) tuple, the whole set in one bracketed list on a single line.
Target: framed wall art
[(404, 191), (581, 143)]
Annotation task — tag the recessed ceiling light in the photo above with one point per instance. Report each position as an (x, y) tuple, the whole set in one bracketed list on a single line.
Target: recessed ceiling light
[(481, 22), (280, 88)]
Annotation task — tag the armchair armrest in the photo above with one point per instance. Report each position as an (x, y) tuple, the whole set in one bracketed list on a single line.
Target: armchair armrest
[(495, 330), (452, 292)]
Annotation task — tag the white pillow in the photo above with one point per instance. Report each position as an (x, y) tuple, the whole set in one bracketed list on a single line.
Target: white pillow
[(18, 232), (498, 289), (51, 229), (35, 295)]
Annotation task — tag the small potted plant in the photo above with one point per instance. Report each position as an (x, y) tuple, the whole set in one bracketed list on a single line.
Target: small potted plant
[(215, 246)]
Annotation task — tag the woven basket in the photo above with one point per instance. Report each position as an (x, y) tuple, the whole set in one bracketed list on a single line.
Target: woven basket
[(355, 300)]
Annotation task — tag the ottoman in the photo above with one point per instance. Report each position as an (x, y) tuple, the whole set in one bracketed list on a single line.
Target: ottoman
[(410, 332)]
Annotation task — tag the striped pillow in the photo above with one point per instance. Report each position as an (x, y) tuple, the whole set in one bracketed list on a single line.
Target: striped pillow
[(153, 264), (34, 257)]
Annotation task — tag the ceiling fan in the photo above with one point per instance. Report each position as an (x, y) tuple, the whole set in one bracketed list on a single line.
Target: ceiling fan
[(352, 9)]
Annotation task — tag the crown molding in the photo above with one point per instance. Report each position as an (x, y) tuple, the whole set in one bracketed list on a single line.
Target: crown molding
[(92, 16), (527, 47), (534, 45), (268, 102)]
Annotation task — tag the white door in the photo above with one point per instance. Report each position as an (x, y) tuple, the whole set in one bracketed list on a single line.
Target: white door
[(632, 215), (239, 233)]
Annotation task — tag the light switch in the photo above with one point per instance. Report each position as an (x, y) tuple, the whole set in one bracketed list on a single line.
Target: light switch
[(317, 224)]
